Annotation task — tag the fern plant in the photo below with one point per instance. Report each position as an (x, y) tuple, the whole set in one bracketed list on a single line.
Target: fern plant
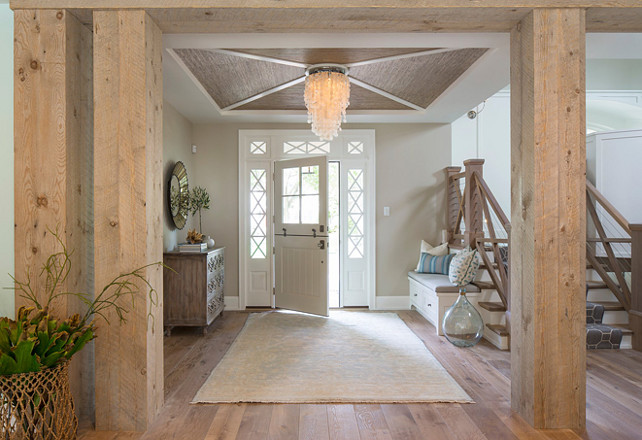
[(36, 340)]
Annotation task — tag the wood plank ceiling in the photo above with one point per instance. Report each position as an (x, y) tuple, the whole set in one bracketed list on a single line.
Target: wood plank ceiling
[(383, 79)]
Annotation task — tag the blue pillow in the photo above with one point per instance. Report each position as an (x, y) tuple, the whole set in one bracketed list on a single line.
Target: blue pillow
[(432, 264)]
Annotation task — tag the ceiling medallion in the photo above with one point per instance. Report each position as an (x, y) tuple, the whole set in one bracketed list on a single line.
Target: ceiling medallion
[(327, 96)]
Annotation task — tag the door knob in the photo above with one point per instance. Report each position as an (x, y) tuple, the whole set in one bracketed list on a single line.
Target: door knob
[(321, 244)]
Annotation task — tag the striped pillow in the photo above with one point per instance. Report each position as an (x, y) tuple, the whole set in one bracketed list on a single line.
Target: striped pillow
[(432, 264)]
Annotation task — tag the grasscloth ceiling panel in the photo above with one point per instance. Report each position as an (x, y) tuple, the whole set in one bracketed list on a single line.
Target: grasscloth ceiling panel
[(230, 79), (330, 55), (409, 75), (420, 79), (292, 99)]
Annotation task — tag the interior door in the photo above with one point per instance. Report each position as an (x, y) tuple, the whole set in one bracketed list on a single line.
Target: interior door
[(300, 233)]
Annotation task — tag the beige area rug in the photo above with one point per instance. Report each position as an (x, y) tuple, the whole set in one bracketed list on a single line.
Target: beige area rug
[(350, 357)]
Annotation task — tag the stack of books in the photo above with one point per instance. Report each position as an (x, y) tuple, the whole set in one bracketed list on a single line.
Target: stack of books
[(189, 247)]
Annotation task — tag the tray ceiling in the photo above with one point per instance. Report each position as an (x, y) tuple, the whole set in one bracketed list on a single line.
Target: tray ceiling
[(382, 79)]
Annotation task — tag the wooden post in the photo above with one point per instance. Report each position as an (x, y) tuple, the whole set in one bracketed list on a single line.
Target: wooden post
[(53, 154), (128, 209), (635, 313), (473, 203), (452, 200), (548, 155)]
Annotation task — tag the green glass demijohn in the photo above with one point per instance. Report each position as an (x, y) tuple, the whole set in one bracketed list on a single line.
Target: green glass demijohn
[(462, 324)]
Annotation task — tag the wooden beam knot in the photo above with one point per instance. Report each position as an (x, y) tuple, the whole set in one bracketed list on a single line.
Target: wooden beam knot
[(42, 201), (34, 64)]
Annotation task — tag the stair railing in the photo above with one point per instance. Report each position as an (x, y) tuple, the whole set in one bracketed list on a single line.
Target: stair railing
[(476, 219), (608, 244)]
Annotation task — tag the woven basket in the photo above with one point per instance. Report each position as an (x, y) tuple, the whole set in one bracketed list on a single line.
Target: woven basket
[(37, 406)]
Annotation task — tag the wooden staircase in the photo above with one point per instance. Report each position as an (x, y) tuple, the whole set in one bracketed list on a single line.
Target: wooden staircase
[(612, 253), (475, 219)]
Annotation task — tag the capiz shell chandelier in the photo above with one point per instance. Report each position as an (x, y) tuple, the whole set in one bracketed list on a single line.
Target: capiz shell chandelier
[(327, 96)]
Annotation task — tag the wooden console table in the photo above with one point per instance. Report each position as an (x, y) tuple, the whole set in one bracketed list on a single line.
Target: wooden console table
[(193, 296)]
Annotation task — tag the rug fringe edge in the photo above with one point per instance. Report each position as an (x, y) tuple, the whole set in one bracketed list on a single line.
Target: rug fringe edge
[(328, 402)]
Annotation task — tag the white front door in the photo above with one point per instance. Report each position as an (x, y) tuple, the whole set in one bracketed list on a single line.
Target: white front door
[(300, 232)]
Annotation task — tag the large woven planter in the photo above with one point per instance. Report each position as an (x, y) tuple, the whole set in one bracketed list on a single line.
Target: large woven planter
[(37, 406)]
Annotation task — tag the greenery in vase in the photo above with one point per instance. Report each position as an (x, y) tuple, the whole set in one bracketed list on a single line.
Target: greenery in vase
[(36, 340), (199, 199)]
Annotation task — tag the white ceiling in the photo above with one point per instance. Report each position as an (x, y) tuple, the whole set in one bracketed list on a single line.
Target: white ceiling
[(488, 75)]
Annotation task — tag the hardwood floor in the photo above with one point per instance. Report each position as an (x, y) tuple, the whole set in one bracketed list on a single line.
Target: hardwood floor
[(614, 398)]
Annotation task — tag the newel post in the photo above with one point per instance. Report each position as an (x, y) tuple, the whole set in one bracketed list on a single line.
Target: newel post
[(474, 217), (452, 200), (635, 313)]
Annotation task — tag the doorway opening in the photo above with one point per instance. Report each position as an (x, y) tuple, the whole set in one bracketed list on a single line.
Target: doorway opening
[(350, 205)]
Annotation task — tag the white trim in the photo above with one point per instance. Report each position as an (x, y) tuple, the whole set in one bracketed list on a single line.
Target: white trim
[(262, 94), (260, 58), (232, 303), (386, 94), (338, 151), (402, 56), (192, 78), (393, 302)]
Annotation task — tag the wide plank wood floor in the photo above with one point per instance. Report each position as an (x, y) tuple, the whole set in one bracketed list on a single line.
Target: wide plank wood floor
[(614, 398)]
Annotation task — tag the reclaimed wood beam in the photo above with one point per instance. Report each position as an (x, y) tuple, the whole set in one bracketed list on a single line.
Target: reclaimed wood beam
[(548, 224), (128, 207), (53, 153)]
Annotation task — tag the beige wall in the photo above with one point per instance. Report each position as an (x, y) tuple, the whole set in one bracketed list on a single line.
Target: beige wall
[(410, 159), (411, 181), (177, 146)]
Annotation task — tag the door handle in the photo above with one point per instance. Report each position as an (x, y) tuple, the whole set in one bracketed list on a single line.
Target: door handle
[(321, 244), (314, 233), (285, 232)]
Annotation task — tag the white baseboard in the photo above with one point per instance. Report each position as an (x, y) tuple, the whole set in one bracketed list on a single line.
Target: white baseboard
[(231, 303), (392, 302)]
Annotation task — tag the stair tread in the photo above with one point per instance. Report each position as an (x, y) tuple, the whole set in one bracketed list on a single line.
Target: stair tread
[(492, 306), (626, 328), (484, 285), (610, 306), (499, 329)]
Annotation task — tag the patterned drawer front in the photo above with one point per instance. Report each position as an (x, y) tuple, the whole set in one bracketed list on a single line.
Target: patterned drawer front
[(215, 263), (214, 305), (215, 283)]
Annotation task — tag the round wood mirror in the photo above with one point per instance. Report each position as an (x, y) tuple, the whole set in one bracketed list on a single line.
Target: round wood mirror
[(178, 195)]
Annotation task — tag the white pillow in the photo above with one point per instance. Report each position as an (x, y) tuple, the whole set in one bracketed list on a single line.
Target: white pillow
[(463, 267), (437, 251)]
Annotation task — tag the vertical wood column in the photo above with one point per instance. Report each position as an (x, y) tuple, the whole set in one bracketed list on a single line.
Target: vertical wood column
[(635, 313), (473, 203), (548, 340), (128, 207), (53, 152)]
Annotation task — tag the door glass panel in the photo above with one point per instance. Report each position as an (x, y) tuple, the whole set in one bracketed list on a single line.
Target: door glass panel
[(310, 180), (310, 209), (258, 213), (291, 209), (290, 181), (355, 214)]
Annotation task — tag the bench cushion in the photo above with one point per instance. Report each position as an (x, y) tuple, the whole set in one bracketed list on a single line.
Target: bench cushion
[(438, 283)]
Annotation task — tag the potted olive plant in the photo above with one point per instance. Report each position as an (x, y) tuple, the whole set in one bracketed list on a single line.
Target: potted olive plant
[(36, 347), (199, 199)]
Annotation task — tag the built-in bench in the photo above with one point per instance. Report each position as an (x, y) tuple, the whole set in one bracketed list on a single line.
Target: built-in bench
[(433, 294)]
